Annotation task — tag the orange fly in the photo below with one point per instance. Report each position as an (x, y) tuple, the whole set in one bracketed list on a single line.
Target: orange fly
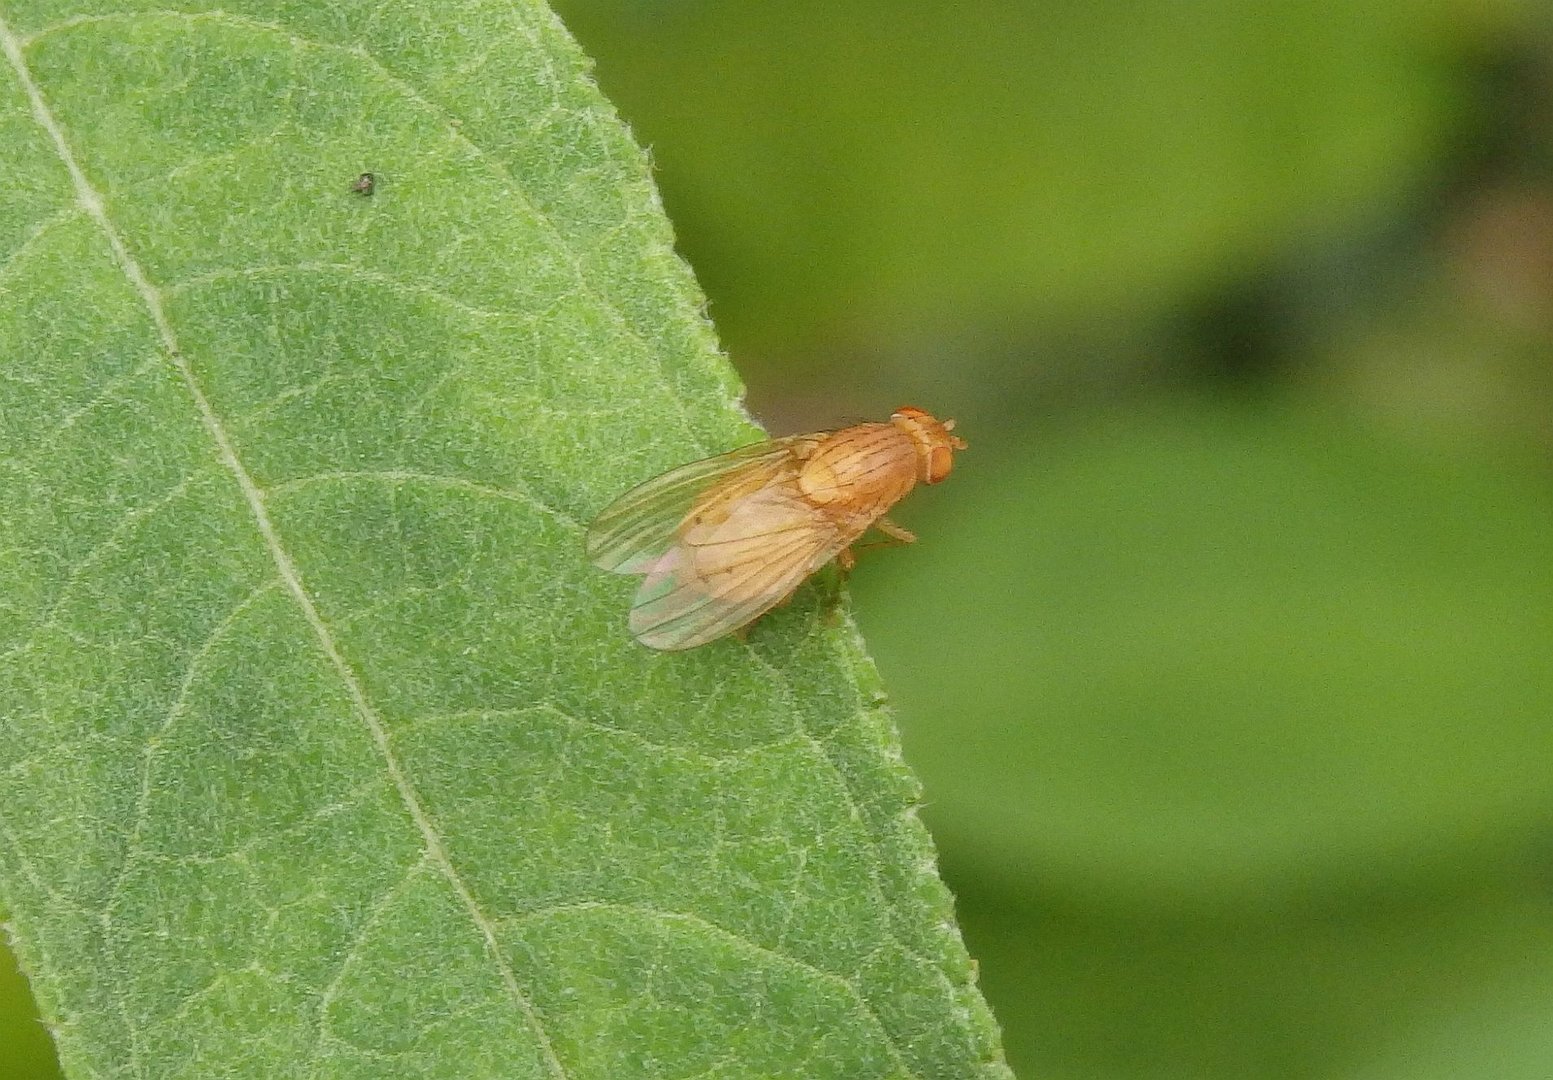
[(722, 541)]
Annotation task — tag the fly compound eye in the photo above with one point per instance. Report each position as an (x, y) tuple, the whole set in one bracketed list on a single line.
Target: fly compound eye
[(939, 463)]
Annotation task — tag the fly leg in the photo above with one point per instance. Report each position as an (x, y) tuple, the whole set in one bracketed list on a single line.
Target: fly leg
[(846, 559), (895, 537), (831, 595)]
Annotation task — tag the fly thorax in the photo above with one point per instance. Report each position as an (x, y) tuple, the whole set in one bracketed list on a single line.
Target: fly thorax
[(820, 482), (858, 469)]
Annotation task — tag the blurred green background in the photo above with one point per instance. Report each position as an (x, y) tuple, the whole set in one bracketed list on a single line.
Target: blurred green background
[(1227, 654)]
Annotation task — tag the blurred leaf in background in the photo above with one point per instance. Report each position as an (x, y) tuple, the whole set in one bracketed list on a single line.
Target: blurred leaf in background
[(1220, 651), (1234, 727), (26, 1053), (869, 173)]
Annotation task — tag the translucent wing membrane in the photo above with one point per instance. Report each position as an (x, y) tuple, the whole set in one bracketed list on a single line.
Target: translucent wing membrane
[(639, 526), (715, 579), (718, 542)]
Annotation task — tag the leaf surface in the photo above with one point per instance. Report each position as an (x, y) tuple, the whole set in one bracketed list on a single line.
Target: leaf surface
[(322, 749)]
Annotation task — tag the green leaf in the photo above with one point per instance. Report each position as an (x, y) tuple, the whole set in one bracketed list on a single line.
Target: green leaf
[(322, 751)]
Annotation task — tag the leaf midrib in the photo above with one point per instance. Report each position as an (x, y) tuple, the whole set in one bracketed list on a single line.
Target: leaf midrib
[(91, 202)]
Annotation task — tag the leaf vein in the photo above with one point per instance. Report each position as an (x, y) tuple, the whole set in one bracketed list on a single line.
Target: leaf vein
[(412, 476), (107, 545), (336, 270), (203, 161), (104, 397), (652, 745), (47, 225), (373, 914), (704, 926)]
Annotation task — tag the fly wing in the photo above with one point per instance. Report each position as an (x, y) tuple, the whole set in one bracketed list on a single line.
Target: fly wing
[(719, 575), (634, 532)]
